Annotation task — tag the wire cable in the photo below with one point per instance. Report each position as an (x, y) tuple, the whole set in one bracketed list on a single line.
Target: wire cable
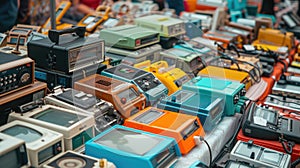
[(209, 149)]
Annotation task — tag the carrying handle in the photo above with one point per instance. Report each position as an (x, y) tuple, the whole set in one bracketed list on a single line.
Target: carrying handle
[(54, 34)]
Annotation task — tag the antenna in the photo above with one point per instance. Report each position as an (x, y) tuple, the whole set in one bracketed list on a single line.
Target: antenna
[(16, 50)]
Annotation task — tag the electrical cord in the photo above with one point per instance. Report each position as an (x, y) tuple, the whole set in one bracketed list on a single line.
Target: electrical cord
[(209, 149), (287, 145)]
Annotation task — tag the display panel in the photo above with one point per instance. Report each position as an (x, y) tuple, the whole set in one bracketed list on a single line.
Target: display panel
[(58, 117), (179, 53), (127, 95), (148, 116), (10, 159), (25, 133), (128, 141), (244, 150), (88, 20), (271, 157), (270, 116)]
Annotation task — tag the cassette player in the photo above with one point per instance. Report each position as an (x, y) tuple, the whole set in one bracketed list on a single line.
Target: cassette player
[(77, 128), (172, 78), (15, 73), (129, 36), (188, 61), (258, 156), (208, 108), (41, 143), (232, 92), (287, 85), (104, 113), (266, 123), (125, 97), (70, 158), (126, 146), (13, 152), (181, 127), (133, 56), (69, 54), (228, 74), (283, 102), (146, 82)]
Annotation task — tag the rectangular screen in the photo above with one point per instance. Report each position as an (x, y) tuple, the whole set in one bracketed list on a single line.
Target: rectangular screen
[(128, 95), (271, 157), (88, 20), (270, 116), (129, 141), (148, 116), (58, 117), (25, 133)]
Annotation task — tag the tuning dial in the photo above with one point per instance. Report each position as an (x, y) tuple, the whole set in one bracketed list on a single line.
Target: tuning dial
[(25, 77)]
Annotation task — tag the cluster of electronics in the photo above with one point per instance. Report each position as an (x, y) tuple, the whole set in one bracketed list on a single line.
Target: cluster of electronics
[(140, 93)]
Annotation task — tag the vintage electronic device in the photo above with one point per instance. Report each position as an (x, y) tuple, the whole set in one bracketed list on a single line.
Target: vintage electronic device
[(76, 127), (18, 33), (3, 39), (133, 56), (166, 26), (246, 22), (252, 70), (104, 113), (170, 29), (278, 38), (188, 61), (287, 86), (92, 21), (13, 101), (146, 82), (15, 73), (62, 8), (112, 22), (36, 29), (208, 108), (228, 74), (13, 152), (74, 159), (266, 123), (54, 78), (295, 64), (129, 36), (206, 20), (224, 37), (35, 36), (283, 102), (124, 96), (9, 49), (181, 127), (70, 54), (122, 146), (145, 7), (232, 92), (171, 77), (292, 22), (41, 143), (258, 156), (294, 70), (245, 35)]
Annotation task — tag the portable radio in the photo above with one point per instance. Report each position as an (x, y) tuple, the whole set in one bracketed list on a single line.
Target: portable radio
[(125, 97), (146, 82), (181, 127), (208, 108), (232, 92), (228, 74)]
